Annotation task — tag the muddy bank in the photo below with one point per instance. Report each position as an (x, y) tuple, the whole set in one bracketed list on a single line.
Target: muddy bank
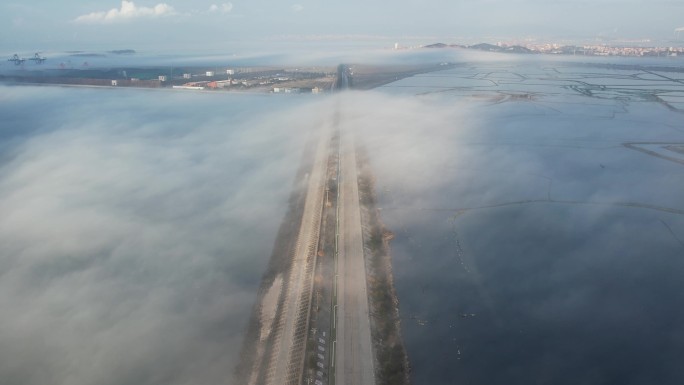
[(391, 361)]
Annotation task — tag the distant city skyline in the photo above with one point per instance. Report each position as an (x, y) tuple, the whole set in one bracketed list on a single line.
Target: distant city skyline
[(177, 24)]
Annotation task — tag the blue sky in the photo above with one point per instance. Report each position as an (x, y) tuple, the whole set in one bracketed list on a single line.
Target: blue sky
[(166, 24)]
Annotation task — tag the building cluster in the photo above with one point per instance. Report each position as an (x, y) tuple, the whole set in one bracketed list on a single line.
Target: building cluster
[(296, 90), (268, 79), (263, 79), (201, 85), (601, 50), (206, 82)]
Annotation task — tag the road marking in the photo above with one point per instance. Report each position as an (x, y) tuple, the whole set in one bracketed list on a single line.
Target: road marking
[(334, 316)]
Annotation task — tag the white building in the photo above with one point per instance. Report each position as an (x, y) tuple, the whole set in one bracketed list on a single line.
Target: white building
[(230, 72), (115, 83), (281, 90), (210, 73), (187, 76), (188, 87), (162, 78)]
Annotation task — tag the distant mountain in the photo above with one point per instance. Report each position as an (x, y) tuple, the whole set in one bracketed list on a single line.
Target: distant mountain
[(496, 48), (518, 49), (442, 45), (436, 45), (123, 51), (486, 47)]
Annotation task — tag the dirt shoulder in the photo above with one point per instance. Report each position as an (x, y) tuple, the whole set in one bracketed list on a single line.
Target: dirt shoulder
[(392, 365)]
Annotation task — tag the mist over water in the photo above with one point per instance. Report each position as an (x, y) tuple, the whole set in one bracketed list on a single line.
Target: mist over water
[(135, 228), (531, 245)]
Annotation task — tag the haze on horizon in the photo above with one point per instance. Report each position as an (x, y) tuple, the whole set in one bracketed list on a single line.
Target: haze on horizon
[(209, 24)]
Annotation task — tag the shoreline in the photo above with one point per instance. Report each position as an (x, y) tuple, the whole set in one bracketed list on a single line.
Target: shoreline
[(366, 77)]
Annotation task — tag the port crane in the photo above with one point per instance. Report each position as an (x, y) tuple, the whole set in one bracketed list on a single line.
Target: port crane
[(37, 58), (20, 60), (16, 59)]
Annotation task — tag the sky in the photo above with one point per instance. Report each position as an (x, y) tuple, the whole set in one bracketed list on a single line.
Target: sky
[(177, 24)]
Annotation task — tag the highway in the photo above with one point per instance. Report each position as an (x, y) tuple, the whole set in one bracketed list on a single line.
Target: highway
[(353, 361), (343, 80)]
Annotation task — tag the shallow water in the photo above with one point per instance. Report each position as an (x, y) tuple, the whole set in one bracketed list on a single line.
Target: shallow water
[(532, 246)]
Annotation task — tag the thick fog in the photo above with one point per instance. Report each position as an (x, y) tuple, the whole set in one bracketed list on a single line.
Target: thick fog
[(135, 228)]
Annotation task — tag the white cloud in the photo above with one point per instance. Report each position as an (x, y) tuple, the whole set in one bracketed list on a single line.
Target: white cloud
[(297, 8), (223, 8), (127, 11)]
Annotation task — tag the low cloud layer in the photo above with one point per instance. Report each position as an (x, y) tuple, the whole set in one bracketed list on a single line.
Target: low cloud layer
[(539, 176), (128, 11), (135, 228)]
